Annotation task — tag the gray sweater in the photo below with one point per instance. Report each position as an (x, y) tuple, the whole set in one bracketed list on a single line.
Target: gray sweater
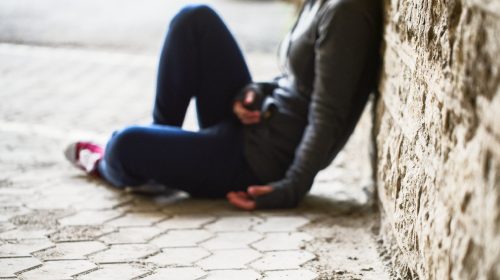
[(331, 60)]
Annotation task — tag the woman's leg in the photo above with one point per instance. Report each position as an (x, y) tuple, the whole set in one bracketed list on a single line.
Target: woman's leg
[(208, 163), (201, 59)]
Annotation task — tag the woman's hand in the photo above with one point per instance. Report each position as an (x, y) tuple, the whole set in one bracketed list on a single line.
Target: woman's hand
[(245, 200), (246, 116)]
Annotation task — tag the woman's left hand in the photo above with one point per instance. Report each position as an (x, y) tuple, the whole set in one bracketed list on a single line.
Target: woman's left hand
[(246, 200)]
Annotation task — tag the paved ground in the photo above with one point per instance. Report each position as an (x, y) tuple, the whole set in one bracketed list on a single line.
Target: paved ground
[(57, 224), (133, 25)]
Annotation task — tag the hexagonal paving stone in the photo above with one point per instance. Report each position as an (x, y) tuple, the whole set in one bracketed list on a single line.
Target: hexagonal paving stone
[(181, 238), (80, 233), (76, 195), (58, 270), (13, 201), (178, 256), (7, 212), (138, 204), (176, 273), (131, 235), (41, 218), (6, 226), (229, 259), (59, 201), (190, 206), (124, 253), (24, 248), (25, 233), (186, 222), (245, 274), (280, 212), (282, 260), (137, 219), (283, 223), (231, 240), (12, 191), (282, 241), (300, 274), (9, 266), (98, 202), (71, 250), (234, 223), (90, 217), (115, 271)]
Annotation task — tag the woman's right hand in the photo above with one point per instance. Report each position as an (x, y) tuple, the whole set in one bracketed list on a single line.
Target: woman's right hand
[(246, 116)]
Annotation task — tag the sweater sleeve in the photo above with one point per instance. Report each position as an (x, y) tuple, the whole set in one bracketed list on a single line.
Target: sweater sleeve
[(344, 39)]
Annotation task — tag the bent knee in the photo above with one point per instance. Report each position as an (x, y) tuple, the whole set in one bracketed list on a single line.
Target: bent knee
[(192, 12), (125, 139), (197, 10)]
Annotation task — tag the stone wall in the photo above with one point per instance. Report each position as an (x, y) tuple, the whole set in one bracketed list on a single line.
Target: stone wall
[(437, 133)]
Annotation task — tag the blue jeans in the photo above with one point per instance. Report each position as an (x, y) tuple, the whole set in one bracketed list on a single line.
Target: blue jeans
[(200, 59)]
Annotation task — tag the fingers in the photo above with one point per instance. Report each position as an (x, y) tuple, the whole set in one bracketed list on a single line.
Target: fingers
[(246, 116), (245, 200), (255, 191), (241, 111), (241, 200)]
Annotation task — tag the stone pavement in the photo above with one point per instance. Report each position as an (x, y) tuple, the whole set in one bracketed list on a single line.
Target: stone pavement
[(135, 25), (56, 223)]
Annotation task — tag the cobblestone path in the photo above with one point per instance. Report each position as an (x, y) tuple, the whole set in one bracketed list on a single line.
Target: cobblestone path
[(57, 224)]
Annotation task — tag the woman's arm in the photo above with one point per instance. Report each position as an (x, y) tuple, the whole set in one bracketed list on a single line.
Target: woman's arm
[(345, 39)]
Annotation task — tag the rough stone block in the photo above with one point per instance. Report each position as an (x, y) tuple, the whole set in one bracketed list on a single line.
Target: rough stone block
[(437, 136)]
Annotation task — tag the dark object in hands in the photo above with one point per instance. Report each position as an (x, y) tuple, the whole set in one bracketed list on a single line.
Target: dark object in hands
[(254, 99)]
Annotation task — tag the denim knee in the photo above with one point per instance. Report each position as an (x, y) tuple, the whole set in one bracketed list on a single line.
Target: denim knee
[(121, 144), (123, 140), (193, 13), (113, 167)]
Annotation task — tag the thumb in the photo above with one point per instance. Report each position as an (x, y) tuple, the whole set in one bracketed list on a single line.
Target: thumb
[(249, 97), (259, 190)]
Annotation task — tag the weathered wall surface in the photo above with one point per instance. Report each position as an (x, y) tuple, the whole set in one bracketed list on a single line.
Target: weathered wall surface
[(437, 132)]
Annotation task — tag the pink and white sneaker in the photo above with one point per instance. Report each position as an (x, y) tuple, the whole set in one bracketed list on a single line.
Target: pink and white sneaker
[(84, 155)]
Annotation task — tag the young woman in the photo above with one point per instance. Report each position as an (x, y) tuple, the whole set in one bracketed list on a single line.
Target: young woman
[(259, 144)]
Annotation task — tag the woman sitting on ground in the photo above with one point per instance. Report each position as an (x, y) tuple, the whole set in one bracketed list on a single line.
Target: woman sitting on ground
[(260, 144)]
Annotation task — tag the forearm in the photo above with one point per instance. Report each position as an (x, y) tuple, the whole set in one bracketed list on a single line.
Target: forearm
[(340, 57)]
